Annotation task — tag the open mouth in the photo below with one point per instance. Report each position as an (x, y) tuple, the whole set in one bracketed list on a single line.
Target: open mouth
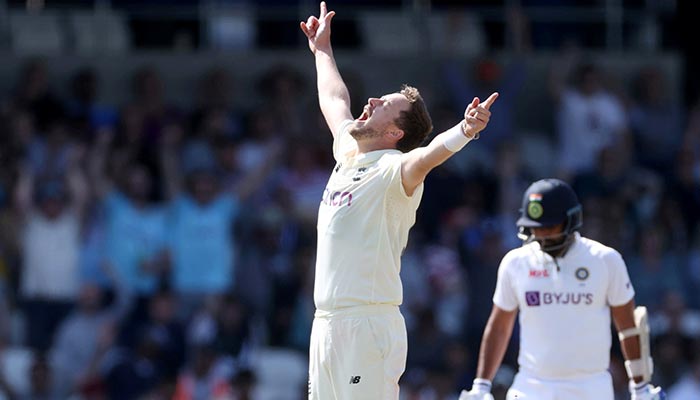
[(366, 113)]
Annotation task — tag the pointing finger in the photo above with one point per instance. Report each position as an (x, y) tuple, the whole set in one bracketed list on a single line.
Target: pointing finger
[(487, 104), (471, 106), (304, 29), (324, 10)]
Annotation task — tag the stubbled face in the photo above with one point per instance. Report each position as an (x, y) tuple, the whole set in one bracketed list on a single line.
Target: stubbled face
[(378, 115), (549, 236)]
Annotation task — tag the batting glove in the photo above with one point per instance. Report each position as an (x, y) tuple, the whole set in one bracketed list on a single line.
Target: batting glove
[(645, 391), (481, 390)]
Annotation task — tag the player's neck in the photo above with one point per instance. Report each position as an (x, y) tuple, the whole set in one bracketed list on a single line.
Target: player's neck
[(374, 144), (560, 252)]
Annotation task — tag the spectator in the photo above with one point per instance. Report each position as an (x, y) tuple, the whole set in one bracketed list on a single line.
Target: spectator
[(688, 386), (148, 99), (215, 114), (85, 110), (205, 377), (162, 319), (40, 381), (653, 111), (653, 270), (588, 119), (692, 275), (242, 385), (304, 178), (685, 189), (84, 337), (34, 94), (227, 330), (129, 374), (283, 88), (135, 235), (52, 209), (489, 75), (201, 218)]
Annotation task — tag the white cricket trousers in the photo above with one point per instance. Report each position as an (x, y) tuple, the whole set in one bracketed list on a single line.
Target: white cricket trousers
[(358, 353), (594, 387)]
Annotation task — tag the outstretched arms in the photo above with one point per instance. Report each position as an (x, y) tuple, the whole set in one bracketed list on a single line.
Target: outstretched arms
[(417, 163), (333, 96)]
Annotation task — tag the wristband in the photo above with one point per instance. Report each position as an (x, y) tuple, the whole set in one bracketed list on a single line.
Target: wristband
[(483, 385), (456, 138)]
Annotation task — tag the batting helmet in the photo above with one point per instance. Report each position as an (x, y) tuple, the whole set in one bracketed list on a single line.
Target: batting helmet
[(549, 202)]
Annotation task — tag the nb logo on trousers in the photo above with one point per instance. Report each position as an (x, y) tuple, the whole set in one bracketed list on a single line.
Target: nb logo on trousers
[(354, 380)]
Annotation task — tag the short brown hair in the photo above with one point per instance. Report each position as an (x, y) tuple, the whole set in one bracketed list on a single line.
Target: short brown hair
[(414, 122)]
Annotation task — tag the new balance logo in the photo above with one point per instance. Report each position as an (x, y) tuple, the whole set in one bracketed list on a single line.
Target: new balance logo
[(354, 380)]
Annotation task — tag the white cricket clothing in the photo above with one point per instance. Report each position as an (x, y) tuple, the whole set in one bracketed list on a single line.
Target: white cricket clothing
[(586, 125), (363, 223), (50, 250), (564, 315), (528, 387), (357, 353)]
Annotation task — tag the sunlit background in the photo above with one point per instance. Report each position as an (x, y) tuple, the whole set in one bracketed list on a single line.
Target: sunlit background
[(162, 162)]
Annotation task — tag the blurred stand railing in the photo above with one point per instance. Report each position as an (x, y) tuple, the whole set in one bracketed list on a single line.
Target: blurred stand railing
[(611, 25)]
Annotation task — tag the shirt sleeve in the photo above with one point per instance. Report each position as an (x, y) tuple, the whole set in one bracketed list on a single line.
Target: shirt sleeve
[(505, 296), (620, 290), (391, 173), (343, 142)]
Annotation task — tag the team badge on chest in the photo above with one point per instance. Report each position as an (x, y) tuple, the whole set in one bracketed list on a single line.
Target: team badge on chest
[(582, 273)]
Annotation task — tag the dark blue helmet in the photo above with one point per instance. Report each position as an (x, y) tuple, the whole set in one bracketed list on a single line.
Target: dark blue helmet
[(549, 202)]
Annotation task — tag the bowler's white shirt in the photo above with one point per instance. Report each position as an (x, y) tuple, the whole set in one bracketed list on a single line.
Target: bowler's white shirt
[(564, 315), (363, 223)]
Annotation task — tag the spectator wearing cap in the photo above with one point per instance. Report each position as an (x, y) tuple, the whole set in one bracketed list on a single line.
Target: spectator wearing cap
[(51, 209)]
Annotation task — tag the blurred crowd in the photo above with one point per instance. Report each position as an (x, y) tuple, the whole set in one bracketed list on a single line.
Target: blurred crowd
[(149, 251)]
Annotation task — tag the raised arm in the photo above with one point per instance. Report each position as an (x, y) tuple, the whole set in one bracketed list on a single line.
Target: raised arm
[(77, 182), (255, 178), (333, 96), (417, 163), (169, 160), (97, 163), (24, 189)]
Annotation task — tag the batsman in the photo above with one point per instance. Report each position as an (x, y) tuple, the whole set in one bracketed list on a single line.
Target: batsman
[(565, 287)]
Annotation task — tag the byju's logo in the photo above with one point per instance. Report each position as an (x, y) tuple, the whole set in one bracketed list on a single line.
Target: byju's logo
[(532, 298), (537, 298), (354, 380)]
